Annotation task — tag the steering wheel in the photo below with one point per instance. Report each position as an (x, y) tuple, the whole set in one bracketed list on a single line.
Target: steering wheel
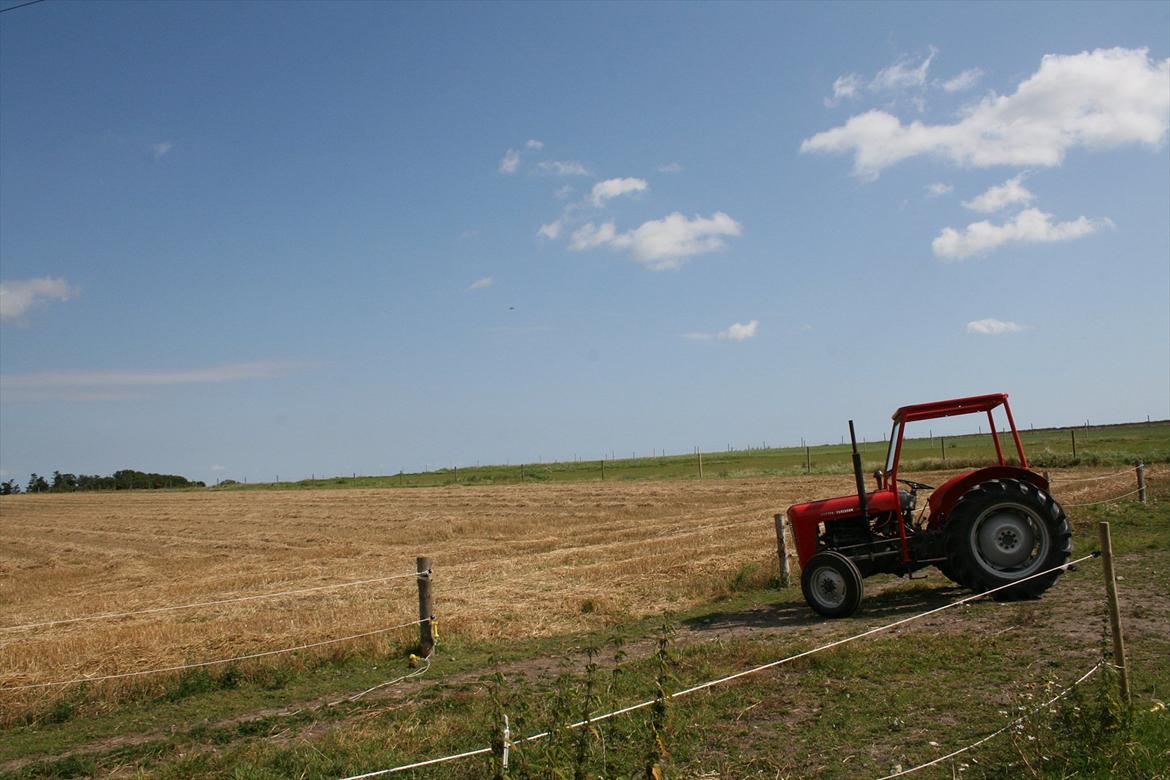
[(916, 486)]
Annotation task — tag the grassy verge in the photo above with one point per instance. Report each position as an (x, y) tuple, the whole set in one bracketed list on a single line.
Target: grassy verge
[(1047, 448)]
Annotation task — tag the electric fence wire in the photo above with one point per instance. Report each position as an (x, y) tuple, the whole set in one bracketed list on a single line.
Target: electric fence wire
[(1105, 500), (201, 664), (21, 5), (426, 667), (1075, 480), (994, 734), (235, 600), (730, 677)]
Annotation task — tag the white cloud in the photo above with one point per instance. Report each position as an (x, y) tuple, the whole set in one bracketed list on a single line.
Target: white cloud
[(963, 81), (613, 188), (1030, 226), (735, 332), (740, 332), (563, 167), (1096, 100), (845, 88), (510, 163), (217, 467), (563, 192), (552, 230), (1000, 196), (481, 284), (161, 148), (661, 244), (992, 327), (901, 75), (534, 144), (20, 295), (224, 373), (938, 189), (589, 235), (670, 168), (664, 243)]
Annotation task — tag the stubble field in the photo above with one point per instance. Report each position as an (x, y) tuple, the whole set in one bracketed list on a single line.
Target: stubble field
[(521, 561)]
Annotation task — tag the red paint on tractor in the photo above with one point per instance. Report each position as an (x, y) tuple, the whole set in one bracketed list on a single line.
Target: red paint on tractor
[(945, 495), (806, 518), (982, 528)]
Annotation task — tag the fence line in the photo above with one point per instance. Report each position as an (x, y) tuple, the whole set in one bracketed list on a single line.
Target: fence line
[(201, 664), (426, 667), (428, 762), (730, 677), (1095, 479), (994, 734), (236, 600), (1107, 500)]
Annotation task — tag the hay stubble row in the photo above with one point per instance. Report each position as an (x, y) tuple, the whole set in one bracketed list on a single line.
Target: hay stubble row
[(510, 561)]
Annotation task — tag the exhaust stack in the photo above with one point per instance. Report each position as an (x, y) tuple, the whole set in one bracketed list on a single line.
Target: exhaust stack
[(857, 472)]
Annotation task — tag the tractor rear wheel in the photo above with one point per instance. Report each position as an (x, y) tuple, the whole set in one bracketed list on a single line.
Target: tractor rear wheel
[(1002, 531), (831, 584)]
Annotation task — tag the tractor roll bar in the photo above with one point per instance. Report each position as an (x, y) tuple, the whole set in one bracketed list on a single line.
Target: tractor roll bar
[(973, 404)]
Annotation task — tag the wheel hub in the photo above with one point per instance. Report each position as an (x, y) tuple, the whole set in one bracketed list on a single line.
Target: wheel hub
[(1006, 539), (829, 587)]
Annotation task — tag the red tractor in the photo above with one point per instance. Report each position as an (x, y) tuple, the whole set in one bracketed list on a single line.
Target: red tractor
[(983, 528)]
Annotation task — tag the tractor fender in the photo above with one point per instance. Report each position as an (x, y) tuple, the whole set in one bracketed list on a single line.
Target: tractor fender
[(946, 495)]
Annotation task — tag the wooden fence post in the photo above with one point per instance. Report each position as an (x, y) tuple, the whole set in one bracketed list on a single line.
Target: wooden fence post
[(700, 465), (1073, 431), (1141, 478), (1114, 611), (807, 461), (426, 606), (782, 552)]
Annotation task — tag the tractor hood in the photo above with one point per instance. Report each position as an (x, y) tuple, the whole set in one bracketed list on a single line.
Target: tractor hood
[(806, 518), (844, 506)]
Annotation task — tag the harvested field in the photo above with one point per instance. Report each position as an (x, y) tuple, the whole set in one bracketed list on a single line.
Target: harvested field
[(510, 560)]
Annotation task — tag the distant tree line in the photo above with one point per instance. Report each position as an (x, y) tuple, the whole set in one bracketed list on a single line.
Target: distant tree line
[(126, 479)]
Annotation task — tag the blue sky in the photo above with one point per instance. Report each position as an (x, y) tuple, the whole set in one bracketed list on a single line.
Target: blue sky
[(249, 240)]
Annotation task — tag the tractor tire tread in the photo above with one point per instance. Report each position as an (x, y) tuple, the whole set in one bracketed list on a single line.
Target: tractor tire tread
[(960, 565)]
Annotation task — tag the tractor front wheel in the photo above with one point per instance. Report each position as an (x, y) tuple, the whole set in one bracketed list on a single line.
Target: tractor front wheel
[(1003, 531), (831, 584)]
